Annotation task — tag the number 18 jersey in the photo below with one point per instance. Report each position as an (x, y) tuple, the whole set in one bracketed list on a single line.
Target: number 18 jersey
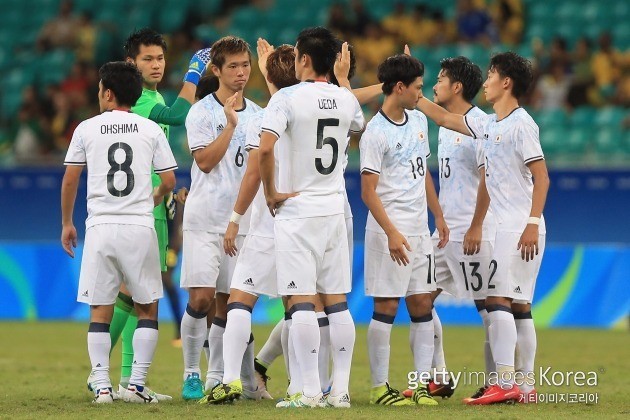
[(119, 148), (312, 120)]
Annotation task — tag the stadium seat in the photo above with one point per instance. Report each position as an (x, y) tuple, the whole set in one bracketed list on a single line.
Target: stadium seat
[(551, 117), (608, 143), (582, 116), (552, 140), (611, 116), (576, 141)]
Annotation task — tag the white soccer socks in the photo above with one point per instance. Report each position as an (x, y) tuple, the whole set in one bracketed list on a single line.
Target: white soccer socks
[(421, 340), (324, 350), (215, 345), (502, 334), (439, 362), (525, 347), (378, 337), (342, 338), (99, 344), (272, 347), (144, 343), (235, 339), (304, 335), (194, 333), (487, 351)]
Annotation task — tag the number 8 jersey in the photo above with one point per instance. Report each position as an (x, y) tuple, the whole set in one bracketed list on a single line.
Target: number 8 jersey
[(398, 153), (119, 149), (313, 120), (212, 195)]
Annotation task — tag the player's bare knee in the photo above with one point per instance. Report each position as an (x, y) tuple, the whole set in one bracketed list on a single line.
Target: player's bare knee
[(386, 306), (419, 305), (498, 300), (239, 296), (200, 299), (329, 300), (101, 313), (521, 308), (147, 311)]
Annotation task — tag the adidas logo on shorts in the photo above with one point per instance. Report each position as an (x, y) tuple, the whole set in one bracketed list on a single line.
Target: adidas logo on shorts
[(517, 289), (85, 294), (291, 285), (248, 282), (398, 146)]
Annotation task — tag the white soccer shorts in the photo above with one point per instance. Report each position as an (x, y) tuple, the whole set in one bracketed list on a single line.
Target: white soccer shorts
[(514, 277), (255, 271), (385, 278), (312, 256), (204, 261), (463, 276), (115, 254)]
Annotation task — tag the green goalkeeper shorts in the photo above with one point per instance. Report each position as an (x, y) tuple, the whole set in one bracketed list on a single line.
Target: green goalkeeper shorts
[(161, 229)]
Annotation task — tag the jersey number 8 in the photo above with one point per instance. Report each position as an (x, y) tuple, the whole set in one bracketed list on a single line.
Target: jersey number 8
[(124, 166)]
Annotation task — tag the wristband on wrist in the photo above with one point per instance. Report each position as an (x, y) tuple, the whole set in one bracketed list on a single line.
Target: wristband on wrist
[(235, 218), (533, 221)]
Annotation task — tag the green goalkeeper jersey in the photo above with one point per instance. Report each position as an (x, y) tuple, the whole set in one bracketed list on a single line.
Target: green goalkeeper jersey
[(143, 107)]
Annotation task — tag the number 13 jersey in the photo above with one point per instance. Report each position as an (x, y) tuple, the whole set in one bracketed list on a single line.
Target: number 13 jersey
[(119, 148), (312, 120), (397, 153), (212, 195)]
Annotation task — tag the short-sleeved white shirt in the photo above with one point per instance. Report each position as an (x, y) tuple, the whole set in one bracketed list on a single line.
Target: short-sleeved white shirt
[(398, 153), (509, 145), (119, 149), (212, 195), (460, 158), (312, 121), (261, 223)]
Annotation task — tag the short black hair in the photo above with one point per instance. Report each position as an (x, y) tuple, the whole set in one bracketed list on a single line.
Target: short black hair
[(517, 68), (123, 79), (461, 69), (321, 46), (228, 45), (145, 36), (207, 84), (399, 68), (353, 64)]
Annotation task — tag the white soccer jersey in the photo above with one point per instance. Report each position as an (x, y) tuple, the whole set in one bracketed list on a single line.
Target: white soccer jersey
[(509, 145), (261, 223), (459, 159), (312, 120), (398, 153), (212, 195), (119, 149)]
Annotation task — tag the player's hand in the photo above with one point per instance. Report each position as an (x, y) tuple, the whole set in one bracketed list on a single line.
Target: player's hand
[(275, 201), (171, 205), (407, 50), (528, 244), (69, 239), (197, 66), (443, 231), (230, 112), (229, 240), (342, 63), (397, 243), (181, 195), (472, 240), (263, 49)]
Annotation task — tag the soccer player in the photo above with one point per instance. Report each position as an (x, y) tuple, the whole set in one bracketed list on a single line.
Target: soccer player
[(517, 183), (146, 49), (216, 128), (310, 234), (119, 149), (462, 267), (396, 186), (255, 271)]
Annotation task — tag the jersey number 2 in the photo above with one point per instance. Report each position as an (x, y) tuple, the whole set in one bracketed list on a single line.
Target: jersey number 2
[(125, 167), (332, 142)]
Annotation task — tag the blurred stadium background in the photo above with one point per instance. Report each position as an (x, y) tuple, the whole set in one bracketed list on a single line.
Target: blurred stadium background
[(51, 50)]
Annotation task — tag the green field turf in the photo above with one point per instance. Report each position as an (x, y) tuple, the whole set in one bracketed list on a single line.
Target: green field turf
[(43, 368)]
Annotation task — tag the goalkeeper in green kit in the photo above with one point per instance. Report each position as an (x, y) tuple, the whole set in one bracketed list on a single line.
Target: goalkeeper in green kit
[(146, 49)]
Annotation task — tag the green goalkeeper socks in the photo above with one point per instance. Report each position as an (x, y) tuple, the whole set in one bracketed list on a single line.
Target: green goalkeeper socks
[(124, 306), (127, 348)]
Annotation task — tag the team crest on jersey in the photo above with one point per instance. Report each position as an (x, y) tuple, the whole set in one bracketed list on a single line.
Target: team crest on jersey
[(458, 140), (497, 139), (421, 136)]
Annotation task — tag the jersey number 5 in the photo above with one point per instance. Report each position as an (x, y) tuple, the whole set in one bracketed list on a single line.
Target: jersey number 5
[(332, 142), (125, 167)]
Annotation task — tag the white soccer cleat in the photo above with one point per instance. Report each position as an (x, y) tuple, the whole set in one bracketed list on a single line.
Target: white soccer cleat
[(103, 396), (139, 395), (301, 401), (339, 401)]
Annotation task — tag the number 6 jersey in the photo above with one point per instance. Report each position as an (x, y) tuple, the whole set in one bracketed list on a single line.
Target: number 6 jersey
[(397, 153), (119, 149), (212, 195), (313, 120)]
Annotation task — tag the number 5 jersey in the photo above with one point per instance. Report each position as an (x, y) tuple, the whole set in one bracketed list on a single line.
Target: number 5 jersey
[(119, 149)]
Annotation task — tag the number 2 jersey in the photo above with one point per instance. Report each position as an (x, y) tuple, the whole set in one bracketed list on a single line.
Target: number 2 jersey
[(212, 195), (119, 149), (460, 158), (397, 153), (312, 121)]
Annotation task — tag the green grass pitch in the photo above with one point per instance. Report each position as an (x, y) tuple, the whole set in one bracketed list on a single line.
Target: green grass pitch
[(43, 368)]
